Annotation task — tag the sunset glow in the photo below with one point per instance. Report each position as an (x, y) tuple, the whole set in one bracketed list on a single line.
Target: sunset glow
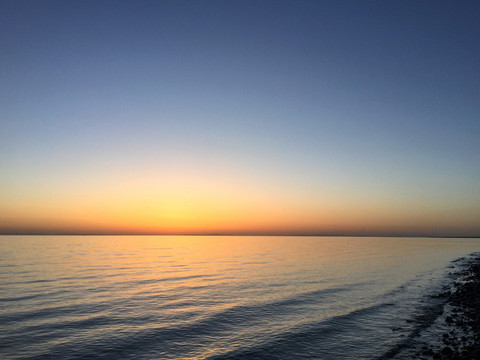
[(174, 117)]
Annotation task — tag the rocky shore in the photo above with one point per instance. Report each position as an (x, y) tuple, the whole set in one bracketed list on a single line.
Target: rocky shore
[(460, 335)]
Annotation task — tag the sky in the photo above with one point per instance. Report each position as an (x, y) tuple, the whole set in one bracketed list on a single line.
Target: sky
[(240, 117)]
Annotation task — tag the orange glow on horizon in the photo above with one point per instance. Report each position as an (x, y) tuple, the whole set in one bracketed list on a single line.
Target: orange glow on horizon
[(185, 204)]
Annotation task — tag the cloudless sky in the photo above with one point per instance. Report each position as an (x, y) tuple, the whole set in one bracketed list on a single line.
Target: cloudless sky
[(313, 117)]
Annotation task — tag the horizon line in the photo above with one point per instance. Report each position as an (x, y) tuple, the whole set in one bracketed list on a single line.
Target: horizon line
[(235, 234)]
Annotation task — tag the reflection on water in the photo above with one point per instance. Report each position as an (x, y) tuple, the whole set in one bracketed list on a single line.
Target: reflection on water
[(195, 297)]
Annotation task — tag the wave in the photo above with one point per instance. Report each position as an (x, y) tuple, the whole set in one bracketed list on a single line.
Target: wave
[(305, 341), (221, 325)]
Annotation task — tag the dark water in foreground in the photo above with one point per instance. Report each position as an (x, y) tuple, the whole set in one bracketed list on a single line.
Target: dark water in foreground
[(154, 297)]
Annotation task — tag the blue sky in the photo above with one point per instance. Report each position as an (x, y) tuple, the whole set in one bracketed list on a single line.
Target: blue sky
[(371, 103)]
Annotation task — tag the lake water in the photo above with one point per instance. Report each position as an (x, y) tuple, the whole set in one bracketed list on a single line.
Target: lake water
[(216, 297)]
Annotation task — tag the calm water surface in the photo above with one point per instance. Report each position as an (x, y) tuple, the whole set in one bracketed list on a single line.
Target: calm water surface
[(181, 297)]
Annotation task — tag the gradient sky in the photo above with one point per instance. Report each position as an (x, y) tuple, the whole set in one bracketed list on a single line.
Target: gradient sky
[(298, 117)]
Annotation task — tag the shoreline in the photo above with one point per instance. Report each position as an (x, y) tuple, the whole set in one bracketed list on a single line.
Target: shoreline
[(457, 328)]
